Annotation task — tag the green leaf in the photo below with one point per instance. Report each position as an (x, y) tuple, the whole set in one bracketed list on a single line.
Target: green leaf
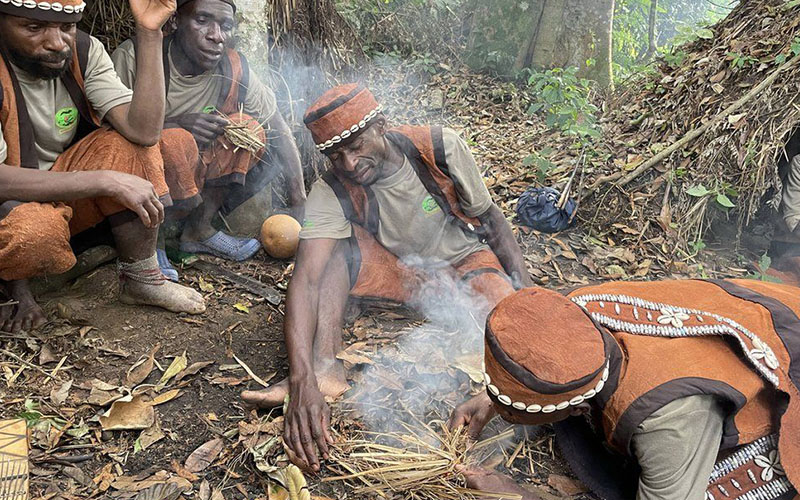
[(765, 263), (780, 59), (528, 160), (725, 201), (137, 445), (698, 191), (241, 307), (705, 34)]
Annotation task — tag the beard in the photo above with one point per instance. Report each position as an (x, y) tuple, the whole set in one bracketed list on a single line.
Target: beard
[(35, 66)]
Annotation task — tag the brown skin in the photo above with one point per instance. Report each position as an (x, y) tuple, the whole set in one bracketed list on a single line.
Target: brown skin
[(475, 414), (204, 29), (317, 298), (140, 121)]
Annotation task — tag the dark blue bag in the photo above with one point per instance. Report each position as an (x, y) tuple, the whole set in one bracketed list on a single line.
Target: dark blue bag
[(538, 209)]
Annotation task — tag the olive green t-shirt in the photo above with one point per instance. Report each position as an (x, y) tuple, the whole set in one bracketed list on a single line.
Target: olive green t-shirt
[(195, 94), (411, 223), (677, 448), (53, 114)]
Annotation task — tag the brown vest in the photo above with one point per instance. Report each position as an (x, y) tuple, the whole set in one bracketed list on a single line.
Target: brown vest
[(424, 147), (17, 127), (738, 340)]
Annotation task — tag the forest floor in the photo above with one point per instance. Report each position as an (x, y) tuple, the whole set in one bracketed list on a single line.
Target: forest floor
[(181, 376)]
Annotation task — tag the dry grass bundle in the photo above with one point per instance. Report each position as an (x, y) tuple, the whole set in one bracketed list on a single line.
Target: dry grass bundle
[(243, 136), (416, 464)]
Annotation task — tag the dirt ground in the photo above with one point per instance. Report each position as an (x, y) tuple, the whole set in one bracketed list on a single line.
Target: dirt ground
[(100, 339), (63, 378)]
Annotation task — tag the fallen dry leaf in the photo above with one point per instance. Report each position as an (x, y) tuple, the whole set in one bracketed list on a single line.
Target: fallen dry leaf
[(130, 413), (166, 397), (178, 365), (58, 396), (151, 435), (185, 473), (203, 456), (142, 368), (217, 495), (193, 369), (99, 397), (46, 355), (296, 484)]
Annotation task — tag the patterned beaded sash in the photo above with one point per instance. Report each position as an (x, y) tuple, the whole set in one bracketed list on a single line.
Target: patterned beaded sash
[(633, 315), (753, 472)]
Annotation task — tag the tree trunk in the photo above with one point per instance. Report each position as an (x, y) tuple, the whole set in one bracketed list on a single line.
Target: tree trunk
[(651, 31), (575, 33)]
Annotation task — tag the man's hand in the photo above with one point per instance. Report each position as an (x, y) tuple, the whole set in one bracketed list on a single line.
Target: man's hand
[(135, 194), (306, 425), (152, 14), (475, 414), (205, 127), (493, 482)]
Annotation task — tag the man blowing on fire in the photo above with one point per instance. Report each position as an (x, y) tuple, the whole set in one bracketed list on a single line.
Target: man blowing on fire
[(209, 86), (695, 382), (392, 193), (76, 148)]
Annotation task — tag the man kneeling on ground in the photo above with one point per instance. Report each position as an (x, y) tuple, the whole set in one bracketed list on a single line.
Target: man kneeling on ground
[(85, 145), (662, 381), (393, 193), (210, 86)]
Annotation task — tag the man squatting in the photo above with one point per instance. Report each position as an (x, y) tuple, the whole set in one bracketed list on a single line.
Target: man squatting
[(77, 148), (208, 87), (392, 193)]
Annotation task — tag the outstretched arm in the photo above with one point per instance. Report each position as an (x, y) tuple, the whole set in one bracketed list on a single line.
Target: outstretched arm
[(134, 193), (141, 120), (503, 243), (308, 416)]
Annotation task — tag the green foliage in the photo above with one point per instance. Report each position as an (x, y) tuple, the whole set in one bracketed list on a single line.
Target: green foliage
[(539, 161), (563, 98), (721, 195), (761, 271), (741, 61)]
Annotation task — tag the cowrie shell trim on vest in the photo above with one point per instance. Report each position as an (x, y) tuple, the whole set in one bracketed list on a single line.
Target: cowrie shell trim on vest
[(671, 325), (534, 408), (347, 133)]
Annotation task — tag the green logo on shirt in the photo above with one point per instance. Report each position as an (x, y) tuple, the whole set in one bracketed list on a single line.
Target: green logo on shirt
[(307, 224), (429, 205), (209, 109), (66, 119)]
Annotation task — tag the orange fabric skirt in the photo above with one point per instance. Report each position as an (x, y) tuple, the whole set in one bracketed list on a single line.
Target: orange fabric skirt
[(378, 274), (188, 170), (35, 237)]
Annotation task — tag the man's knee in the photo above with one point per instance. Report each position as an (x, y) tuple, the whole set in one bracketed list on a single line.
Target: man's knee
[(34, 241)]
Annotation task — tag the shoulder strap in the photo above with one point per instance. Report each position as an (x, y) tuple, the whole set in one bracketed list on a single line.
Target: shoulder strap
[(28, 157), (244, 81), (165, 61), (83, 43), (348, 204), (73, 80), (227, 89)]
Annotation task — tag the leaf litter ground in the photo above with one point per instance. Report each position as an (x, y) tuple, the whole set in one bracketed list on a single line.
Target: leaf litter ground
[(174, 381)]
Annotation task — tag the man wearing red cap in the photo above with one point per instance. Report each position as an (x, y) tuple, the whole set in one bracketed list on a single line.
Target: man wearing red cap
[(696, 382), (397, 201), (209, 87), (85, 145)]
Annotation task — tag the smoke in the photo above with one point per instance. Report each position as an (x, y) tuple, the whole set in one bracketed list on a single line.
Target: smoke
[(421, 376)]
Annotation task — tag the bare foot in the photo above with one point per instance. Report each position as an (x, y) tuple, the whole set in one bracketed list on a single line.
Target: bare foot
[(26, 315), (167, 295), (332, 384)]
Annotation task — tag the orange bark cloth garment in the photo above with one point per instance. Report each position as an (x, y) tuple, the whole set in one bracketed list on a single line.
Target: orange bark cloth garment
[(652, 371), (378, 274), (34, 237), (188, 170)]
